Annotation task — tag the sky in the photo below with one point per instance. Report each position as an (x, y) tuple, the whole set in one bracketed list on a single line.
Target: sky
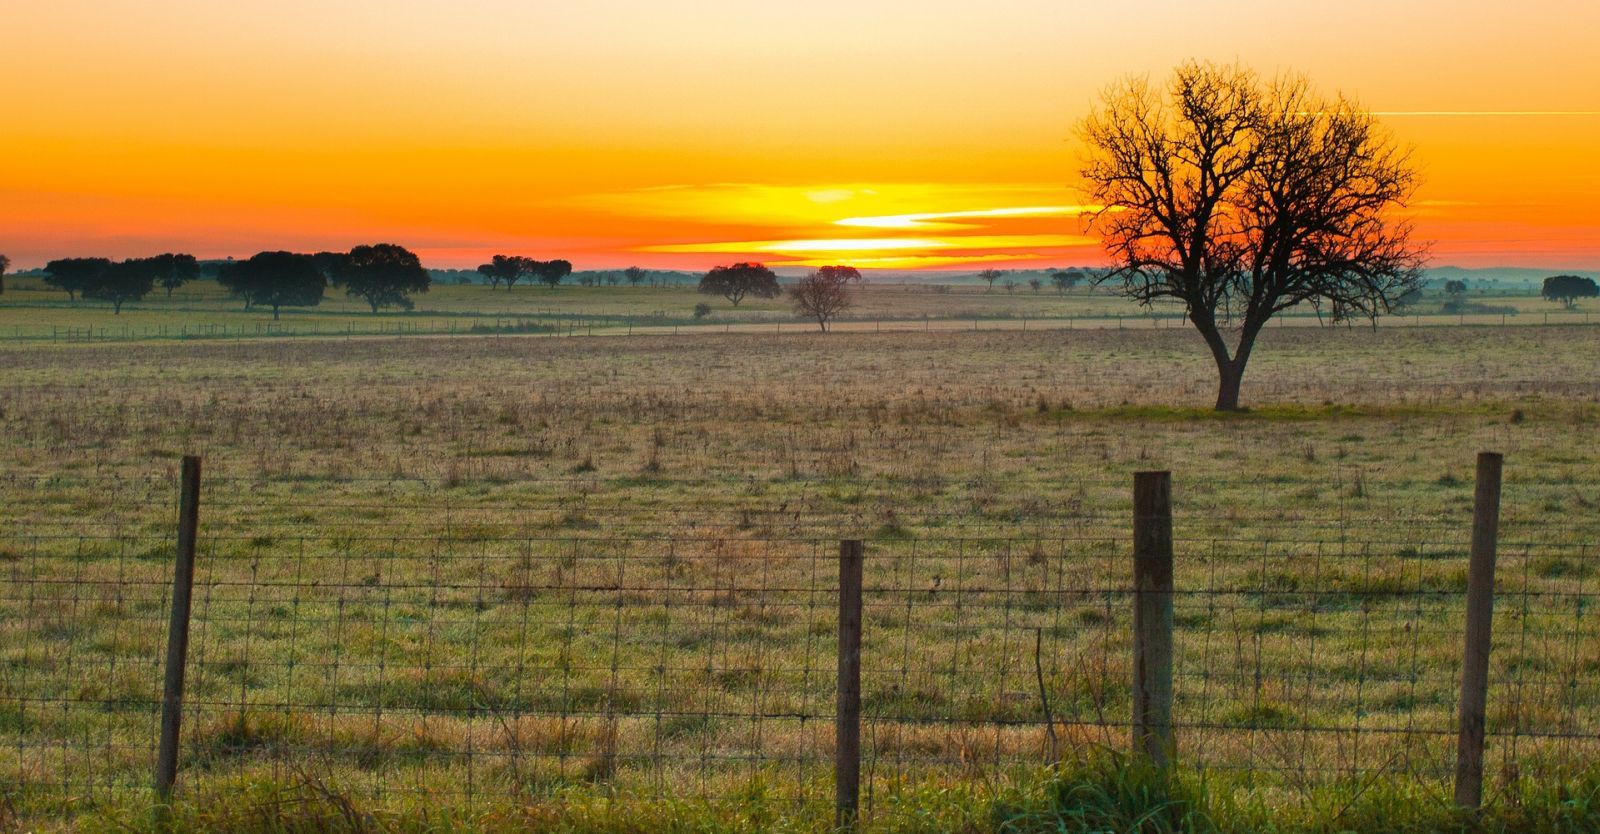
[(682, 134)]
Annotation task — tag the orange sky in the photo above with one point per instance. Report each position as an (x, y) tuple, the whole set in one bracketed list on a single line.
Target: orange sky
[(901, 134)]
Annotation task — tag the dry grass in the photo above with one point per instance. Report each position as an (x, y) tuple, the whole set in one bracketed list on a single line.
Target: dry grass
[(603, 565)]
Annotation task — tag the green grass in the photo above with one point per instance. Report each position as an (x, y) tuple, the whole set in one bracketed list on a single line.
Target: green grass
[(346, 481), (202, 310)]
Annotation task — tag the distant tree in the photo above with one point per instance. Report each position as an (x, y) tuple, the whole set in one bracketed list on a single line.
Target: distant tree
[(5, 264), (1455, 288), (1065, 279), (331, 265), (550, 272), (1010, 284), (384, 275), (701, 310), (275, 279), (1241, 199), (506, 268), (1035, 284), (129, 280), (75, 275), (613, 277), (635, 275), (739, 280), (490, 274), (1567, 289), (173, 271), (991, 275), (1408, 299), (824, 294)]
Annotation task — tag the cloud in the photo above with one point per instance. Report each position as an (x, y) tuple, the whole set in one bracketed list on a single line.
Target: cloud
[(931, 220)]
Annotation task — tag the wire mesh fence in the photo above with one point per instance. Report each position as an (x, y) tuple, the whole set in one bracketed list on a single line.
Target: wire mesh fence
[(469, 657)]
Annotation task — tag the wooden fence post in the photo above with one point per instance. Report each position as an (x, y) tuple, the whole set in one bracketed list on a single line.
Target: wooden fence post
[(1480, 613), (1152, 617), (178, 628), (847, 724)]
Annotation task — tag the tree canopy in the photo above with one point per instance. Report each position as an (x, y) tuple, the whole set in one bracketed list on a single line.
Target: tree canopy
[(506, 269), (739, 280), (1241, 198), (75, 275), (124, 281), (1065, 279), (550, 273), (275, 279), (1567, 289), (383, 274), (5, 264), (173, 271)]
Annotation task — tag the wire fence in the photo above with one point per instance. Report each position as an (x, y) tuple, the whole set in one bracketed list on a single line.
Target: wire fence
[(449, 660)]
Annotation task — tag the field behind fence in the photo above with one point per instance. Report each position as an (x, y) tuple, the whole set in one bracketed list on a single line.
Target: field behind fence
[(495, 652)]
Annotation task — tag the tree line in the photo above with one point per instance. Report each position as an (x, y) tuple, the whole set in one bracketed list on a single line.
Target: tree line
[(383, 275)]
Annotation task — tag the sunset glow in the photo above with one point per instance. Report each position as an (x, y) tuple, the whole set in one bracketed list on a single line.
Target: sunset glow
[(687, 134)]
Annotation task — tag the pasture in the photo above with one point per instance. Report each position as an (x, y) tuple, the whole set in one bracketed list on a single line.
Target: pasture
[(498, 581)]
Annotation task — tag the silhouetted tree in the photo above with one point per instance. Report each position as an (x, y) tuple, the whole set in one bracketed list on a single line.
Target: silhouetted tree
[(1035, 284), (1065, 279), (74, 275), (275, 279), (331, 265), (5, 264), (121, 282), (384, 274), (991, 275), (551, 272), (173, 271), (635, 275), (1567, 289), (1408, 299), (507, 268), (1242, 199), (824, 294), (739, 280)]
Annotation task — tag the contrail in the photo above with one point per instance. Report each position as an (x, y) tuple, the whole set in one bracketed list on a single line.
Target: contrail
[(1484, 112)]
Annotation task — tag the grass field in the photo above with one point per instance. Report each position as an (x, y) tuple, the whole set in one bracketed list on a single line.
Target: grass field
[(498, 582), (31, 311)]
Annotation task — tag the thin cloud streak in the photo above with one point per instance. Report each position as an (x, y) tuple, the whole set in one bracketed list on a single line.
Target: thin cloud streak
[(1483, 113)]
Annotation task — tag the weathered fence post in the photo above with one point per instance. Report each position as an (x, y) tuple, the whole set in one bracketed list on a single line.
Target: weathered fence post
[(1152, 616), (1480, 613), (178, 628), (847, 724)]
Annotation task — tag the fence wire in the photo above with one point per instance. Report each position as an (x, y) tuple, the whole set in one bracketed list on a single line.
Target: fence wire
[(452, 659)]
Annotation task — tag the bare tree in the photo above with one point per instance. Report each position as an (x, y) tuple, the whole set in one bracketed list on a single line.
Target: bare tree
[(1241, 198), (5, 264), (824, 294), (991, 275)]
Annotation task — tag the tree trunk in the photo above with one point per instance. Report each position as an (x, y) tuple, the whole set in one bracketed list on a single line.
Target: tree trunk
[(274, 312), (1230, 375), (116, 308)]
